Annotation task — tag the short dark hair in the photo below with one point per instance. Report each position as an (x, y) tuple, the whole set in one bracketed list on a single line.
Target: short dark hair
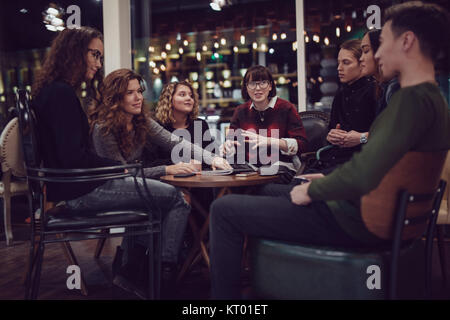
[(353, 45), (257, 73), (429, 22)]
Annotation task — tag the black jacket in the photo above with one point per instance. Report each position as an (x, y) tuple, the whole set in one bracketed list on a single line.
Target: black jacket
[(354, 108)]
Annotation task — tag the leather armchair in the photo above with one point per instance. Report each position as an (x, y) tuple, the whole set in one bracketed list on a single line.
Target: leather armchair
[(316, 128)]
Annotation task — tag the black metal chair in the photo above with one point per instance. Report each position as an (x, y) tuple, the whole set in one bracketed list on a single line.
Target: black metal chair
[(316, 129), (60, 224), (400, 210)]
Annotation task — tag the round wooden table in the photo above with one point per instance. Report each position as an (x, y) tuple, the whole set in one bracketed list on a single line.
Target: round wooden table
[(224, 183), (210, 181)]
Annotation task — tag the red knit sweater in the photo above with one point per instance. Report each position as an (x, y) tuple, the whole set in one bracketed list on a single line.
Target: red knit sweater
[(283, 117)]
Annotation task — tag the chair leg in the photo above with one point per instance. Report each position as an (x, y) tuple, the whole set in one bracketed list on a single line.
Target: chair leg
[(442, 255), (7, 219), (100, 244), (151, 269), (37, 276), (158, 237), (28, 276), (428, 261), (29, 264)]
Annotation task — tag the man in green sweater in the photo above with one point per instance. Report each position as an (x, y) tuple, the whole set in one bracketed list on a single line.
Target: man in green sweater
[(326, 210)]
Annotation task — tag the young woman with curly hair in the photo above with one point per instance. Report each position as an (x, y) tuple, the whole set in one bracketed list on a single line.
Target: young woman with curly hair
[(76, 56), (177, 112), (122, 128)]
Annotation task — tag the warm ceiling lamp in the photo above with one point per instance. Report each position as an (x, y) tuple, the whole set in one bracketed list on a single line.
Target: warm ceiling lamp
[(217, 5), (52, 18)]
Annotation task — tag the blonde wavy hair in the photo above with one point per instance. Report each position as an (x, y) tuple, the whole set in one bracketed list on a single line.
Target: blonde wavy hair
[(164, 108), (112, 118)]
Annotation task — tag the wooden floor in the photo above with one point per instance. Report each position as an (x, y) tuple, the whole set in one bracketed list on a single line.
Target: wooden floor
[(97, 272)]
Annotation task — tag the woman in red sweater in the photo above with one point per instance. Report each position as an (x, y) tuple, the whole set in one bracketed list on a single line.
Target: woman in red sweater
[(266, 130)]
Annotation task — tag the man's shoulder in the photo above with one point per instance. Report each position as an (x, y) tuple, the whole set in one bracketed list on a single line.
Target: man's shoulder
[(421, 95)]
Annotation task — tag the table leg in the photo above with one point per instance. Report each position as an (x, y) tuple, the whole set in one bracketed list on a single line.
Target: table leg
[(200, 246)]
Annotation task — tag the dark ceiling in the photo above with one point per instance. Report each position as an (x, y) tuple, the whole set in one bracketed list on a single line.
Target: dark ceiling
[(24, 31)]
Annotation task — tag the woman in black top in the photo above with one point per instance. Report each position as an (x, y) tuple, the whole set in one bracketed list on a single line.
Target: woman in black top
[(385, 87), (354, 105), (75, 56), (177, 111)]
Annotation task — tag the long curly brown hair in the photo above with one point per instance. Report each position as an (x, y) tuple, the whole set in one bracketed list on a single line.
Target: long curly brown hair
[(164, 110), (111, 117), (66, 59)]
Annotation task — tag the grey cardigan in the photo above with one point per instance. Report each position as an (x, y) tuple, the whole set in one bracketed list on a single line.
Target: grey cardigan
[(107, 146)]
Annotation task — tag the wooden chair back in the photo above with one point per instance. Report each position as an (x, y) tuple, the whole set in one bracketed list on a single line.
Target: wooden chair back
[(416, 172)]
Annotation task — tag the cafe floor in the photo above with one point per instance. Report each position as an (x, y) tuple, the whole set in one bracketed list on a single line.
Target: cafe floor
[(97, 272)]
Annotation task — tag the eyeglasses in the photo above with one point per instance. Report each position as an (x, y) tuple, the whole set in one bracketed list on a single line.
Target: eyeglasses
[(96, 54), (262, 84)]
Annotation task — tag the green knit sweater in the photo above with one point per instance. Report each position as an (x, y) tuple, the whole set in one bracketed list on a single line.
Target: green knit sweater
[(416, 119)]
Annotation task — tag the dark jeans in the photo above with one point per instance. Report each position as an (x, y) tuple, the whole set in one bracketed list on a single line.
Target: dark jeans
[(270, 216)]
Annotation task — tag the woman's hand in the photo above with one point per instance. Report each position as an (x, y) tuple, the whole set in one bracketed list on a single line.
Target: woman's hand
[(181, 167), (336, 136), (228, 148), (257, 140), (299, 194), (220, 163), (351, 139), (197, 165)]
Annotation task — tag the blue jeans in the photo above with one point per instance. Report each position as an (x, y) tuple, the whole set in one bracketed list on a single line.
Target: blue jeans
[(269, 216), (122, 194)]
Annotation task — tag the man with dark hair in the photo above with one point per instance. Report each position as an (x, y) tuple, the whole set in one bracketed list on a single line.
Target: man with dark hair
[(326, 210), (424, 20)]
